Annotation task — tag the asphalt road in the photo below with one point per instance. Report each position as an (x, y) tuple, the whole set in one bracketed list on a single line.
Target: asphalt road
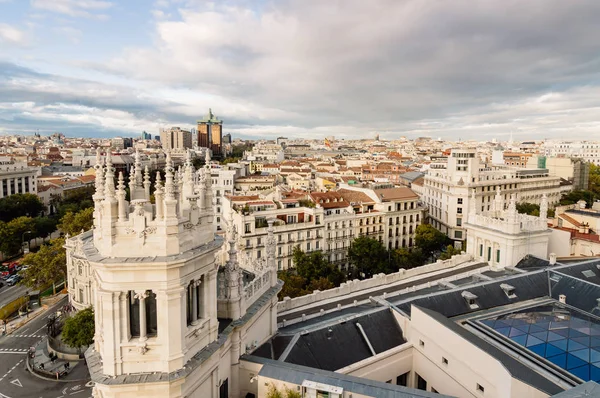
[(15, 379), (10, 293)]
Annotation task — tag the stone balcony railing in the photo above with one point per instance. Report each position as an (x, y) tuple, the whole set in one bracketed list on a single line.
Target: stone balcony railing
[(255, 289)]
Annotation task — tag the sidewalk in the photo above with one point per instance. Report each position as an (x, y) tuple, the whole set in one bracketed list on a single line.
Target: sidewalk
[(22, 320)]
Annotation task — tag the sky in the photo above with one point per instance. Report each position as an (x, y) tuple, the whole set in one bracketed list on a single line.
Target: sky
[(457, 69)]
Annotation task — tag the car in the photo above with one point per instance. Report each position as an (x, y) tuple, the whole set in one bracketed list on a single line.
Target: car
[(13, 280)]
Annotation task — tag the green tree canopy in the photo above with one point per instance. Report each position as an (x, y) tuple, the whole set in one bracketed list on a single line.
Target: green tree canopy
[(449, 252), (44, 226), (293, 285), (78, 330), (429, 239), (573, 197), (408, 258), (11, 234), (46, 266), (532, 209), (19, 205), (73, 223), (314, 265), (369, 256)]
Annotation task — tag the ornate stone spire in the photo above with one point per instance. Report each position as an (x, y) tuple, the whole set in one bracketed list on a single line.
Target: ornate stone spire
[(121, 198), (473, 203), (159, 197), (169, 182), (512, 208), (498, 202), (147, 183), (271, 248), (109, 188), (544, 207), (99, 176)]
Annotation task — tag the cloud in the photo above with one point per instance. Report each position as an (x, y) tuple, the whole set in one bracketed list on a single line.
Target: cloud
[(11, 35), (384, 65), (74, 8), (71, 33)]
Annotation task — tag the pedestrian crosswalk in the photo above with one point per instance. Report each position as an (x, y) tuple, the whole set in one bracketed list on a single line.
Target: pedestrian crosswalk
[(14, 350), (26, 335)]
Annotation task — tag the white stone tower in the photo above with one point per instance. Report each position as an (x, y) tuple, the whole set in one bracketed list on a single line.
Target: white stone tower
[(150, 272)]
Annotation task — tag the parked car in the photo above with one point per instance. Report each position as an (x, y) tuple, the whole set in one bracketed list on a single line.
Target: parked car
[(13, 280)]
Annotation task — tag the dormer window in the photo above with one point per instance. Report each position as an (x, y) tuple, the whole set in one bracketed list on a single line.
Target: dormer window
[(509, 290), (471, 299)]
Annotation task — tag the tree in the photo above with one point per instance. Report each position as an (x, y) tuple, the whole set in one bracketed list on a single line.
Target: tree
[(75, 200), (408, 258), (449, 252), (73, 223), (273, 392), (12, 232), (19, 205), (78, 330), (47, 266), (314, 265), (320, 284), (573, 197), (429, 239), (368, 256), (44, 226), (293, 285), (594, 180), (532, 209)]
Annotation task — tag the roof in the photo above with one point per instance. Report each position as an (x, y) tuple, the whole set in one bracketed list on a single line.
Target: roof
[(242, 198), (518, 370), (412, 175), (297, 374), (531, 262), (590, 389), (570, 219), (401, 193), (340, 345), (355, 196)]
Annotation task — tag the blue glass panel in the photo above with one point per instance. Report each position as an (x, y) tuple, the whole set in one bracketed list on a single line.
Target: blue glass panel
[(585, 330), (583, 372), (552, 350), (536, 328), (574, 333), (595, 373), (594, 355), (524, 328), (539, 349), (595, 342), (505, 331), (574, 346), (559, 325), (541, 335), (533, 341), (562, 332), (515, 332), (562, 344), (574, 362), (517, 322), (554, 336), (583, 340), (520, 339), (541, 325), (503, 323), (559, 360), (583, 354), (595, 330), (488, 322)]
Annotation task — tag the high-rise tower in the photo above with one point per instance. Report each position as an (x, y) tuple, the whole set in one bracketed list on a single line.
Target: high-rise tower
[(210, 133), (150, 269)]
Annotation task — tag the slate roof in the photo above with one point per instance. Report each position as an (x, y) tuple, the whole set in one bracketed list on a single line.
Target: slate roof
[(489, 295), (531, 262), (297, 374)]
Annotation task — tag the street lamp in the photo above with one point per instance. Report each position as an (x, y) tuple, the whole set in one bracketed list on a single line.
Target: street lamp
[(23, 242)]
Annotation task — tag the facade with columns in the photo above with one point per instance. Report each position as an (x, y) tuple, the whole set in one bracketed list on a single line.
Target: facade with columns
[(17, 177), (174, 309), (502, 237)]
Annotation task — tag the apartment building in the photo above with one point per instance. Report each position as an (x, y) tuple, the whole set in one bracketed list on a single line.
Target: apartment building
[(448, 186), (390, 215), (223, 183), (586, 150)]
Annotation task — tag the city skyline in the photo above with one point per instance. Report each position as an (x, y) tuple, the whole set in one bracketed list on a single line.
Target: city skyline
[(109, 68)]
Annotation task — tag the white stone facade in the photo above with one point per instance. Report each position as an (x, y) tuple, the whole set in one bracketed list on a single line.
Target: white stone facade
[(17, 177), (503, 237), (151, 271)]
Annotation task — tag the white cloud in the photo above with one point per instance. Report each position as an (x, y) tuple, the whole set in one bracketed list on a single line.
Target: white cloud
[(74, 8), (11, 35), (72, 34)]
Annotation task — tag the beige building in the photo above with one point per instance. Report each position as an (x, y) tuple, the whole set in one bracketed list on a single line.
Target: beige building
[(175, 138), (17, 177)]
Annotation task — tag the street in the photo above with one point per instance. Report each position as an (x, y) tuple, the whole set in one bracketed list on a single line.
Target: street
[(10, 293), (15, 379)]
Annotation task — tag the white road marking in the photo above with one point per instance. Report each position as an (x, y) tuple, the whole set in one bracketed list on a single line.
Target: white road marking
[(16, 382)]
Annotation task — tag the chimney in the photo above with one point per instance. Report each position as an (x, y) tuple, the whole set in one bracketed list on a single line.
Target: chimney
[(552, 258), (562, 298)]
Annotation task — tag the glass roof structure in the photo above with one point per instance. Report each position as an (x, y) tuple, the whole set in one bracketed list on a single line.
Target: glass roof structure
[(562, 336)]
